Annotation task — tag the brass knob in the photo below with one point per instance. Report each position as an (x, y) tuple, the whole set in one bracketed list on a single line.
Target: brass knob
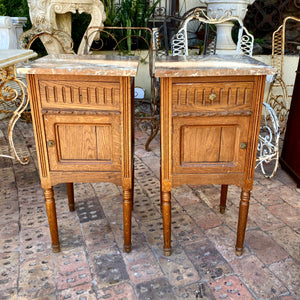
[(243, 145), (212, 96), (50, 143)]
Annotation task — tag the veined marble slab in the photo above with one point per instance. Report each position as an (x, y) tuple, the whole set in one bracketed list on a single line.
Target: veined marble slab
[(65, 64), (210, 65), (10, 57)]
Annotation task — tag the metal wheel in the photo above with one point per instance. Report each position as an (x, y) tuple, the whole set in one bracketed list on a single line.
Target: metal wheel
[(195, 30)]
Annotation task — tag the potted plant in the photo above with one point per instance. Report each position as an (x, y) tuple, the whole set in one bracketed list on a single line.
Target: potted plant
[(217, 9)]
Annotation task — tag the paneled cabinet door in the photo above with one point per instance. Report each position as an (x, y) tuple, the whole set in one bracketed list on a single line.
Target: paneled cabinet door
[(83, 142), (209, 144)]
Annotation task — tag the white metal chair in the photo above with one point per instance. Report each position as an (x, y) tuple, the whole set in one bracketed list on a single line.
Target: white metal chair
[(279, 101), (180, 44), (276, 108)]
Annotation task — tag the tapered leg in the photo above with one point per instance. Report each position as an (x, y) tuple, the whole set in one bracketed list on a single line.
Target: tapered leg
[(70, 191), (127, 209), (223, 198), (166, 214), (51, 212), (243, 215)]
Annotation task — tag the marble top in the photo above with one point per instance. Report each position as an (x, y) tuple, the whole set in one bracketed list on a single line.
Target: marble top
[(70, 64), (14, 56), (210, 65)]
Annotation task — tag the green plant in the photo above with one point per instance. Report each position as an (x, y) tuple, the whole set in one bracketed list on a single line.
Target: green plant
[(111, 9), (135, 13), (15, 8), (2, 9), (259, 41)]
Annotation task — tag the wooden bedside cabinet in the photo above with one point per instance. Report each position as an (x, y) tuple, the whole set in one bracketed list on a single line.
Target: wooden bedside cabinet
[(82, 111), (210, 118)]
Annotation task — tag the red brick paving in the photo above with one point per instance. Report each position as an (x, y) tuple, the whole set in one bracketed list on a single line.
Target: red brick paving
[(92, 264)]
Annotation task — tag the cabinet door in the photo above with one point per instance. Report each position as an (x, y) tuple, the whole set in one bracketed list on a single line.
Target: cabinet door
[(83, 142), (209, 144)]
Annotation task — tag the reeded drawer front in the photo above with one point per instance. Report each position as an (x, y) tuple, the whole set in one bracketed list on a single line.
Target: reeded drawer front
[(84, 142), (212, 96), (59, 92), (209, 144)]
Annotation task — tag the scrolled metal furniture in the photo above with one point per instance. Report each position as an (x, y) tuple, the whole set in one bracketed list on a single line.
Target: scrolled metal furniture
[(180, 45), (13, 93), (279, 101), (268, 142), (276, 108)]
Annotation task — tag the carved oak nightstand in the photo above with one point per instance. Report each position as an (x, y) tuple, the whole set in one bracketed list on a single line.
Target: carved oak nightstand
[(82, 111), (210, 119)]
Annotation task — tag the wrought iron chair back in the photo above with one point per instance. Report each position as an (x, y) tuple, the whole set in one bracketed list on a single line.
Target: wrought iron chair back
[(163, 35), (279, 102), (180, 45)]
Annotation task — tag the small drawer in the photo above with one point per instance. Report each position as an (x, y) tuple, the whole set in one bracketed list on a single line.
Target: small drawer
[(81, 93), (212, 96)]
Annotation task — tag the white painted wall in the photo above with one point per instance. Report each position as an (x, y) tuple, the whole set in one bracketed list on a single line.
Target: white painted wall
[(290, 65)]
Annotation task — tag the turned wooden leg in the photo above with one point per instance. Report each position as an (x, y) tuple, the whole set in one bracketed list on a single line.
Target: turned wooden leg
[(51, 212), (127, 209), (243, 215), (223, 198), (166, 214), (70, 191)]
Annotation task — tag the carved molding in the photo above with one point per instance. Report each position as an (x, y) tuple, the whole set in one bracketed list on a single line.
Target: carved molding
[(54, 16)]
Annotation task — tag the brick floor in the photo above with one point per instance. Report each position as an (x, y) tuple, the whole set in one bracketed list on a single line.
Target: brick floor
[(92, 264)]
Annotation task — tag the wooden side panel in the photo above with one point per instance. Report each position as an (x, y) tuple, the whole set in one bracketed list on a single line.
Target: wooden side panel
[(166, 134), (127, 131), (254, 128), (39, 133)]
